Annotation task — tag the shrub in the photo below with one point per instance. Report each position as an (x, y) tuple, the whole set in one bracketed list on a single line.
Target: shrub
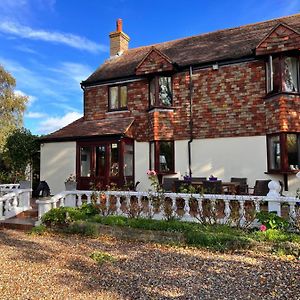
[(38, 230), (272, 221), (102, 257), (83, 228)]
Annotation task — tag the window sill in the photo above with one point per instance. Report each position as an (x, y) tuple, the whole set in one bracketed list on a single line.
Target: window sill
[(117, 111), (161, 108), (271, 95), (288, 172)]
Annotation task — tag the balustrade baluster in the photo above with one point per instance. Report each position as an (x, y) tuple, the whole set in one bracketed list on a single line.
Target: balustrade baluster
[(150, 207), (242, 212), (88, 198), (292, 212), (257, 205), (200, 209), (62, 202), (15, 201), (1, 210), (7, 206), (174, 206), (140, 204), (118, 205), (107, 203), (186, 207), (79, 201), (227, 210)]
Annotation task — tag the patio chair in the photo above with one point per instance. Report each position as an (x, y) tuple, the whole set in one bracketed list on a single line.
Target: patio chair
[(169, 184), (261, 188), (213, 187), (243, 186)]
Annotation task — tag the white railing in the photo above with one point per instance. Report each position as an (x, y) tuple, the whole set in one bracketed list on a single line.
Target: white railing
[(6, 188), (187, 207), (14, 203)]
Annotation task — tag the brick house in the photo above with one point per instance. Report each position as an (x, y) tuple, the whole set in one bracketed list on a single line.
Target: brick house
[(225, 103)]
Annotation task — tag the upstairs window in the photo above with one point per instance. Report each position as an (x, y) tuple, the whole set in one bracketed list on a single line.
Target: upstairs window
[(161, 91), (283, 74), (117, 97)]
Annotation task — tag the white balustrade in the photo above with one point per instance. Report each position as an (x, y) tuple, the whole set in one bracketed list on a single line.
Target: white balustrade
[(157, 210)]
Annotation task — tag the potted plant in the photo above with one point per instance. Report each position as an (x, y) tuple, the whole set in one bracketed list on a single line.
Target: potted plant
[(212, 178), (71, 183)]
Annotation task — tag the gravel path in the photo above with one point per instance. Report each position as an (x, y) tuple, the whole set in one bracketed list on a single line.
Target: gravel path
[(59, 267)]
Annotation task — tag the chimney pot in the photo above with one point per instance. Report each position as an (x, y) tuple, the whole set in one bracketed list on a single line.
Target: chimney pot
[(119, 25)]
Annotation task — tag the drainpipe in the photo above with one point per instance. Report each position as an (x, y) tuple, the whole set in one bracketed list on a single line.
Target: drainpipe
[(191, 122)]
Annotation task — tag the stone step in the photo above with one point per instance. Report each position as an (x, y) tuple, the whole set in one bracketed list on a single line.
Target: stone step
[(32, 213), (17, 223)]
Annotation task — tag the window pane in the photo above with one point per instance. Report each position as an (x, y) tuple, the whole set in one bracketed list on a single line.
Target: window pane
[(269, 75), (290, 74), (152, 92), (100, 161), (128, 160), (152, 156), (165, 91), (123, 95), (276, 75), (85, 161), (114, 159), (165, 156), (113, 97), (274, 152), (292, 151)]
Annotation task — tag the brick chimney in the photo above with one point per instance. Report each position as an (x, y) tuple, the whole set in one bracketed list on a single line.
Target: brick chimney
[(118, 40)]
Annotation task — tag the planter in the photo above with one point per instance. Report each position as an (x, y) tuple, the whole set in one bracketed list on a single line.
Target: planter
[(70, 186), (25, 184)]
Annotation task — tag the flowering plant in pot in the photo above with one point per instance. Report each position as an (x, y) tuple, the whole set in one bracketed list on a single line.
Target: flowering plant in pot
[(212, 178), (71, 183)]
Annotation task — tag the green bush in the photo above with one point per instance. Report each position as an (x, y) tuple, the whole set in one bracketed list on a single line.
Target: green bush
[(63, 216), (38, 230), (83, 228), (101, 257), (272, 221), (275, 235)]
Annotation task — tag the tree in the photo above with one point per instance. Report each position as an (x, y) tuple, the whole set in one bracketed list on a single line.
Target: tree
[(20, 150), (12, 106)]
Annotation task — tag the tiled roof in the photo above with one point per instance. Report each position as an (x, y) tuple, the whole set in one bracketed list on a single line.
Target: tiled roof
[(234, 43), (82, 128)]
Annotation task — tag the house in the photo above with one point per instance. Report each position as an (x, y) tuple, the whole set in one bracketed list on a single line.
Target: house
[(225, 103)]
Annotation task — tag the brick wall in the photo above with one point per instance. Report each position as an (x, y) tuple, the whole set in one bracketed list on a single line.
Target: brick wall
[(228, 102)]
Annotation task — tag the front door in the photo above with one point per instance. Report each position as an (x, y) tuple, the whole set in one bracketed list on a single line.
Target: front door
[(103, 163)]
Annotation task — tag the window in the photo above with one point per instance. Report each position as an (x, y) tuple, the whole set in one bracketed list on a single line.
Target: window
[(283, 74), (85, 161), (128, 160), (284, 152), (162, 156), (114, 159), (160, 91), (117, 97)]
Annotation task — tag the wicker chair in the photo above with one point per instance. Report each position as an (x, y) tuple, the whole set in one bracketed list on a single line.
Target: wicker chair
[(243, 186), (261, 188), (169, 184), (213, 187)]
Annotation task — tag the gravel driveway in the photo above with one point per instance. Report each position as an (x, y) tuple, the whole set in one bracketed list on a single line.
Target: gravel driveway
[(59, 267)]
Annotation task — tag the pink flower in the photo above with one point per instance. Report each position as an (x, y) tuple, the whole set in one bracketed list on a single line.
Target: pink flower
[(148, 172), (263, 228), (151, 173)]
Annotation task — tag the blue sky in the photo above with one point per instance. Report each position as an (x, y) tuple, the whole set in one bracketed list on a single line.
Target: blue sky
[(50, 46)]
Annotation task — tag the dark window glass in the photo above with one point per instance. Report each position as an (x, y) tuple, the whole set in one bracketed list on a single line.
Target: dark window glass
[(117, 97), (162, 156), (85, 161), (114, 159), (152, 92), (100, 161), (276, 75), (274, 152)]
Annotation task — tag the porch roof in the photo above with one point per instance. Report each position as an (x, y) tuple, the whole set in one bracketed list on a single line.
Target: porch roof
[(82, 128)]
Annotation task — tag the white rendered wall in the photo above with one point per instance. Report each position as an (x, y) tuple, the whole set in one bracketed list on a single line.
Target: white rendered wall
[(58, 161)]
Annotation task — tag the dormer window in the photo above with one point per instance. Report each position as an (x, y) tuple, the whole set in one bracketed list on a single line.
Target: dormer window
[(117, 97), (283, 74), (161, 91)]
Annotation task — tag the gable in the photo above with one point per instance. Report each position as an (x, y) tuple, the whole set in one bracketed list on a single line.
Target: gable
[(281, 38), (154, 62)]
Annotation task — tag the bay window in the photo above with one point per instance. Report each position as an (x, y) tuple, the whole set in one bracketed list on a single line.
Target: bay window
[(283, 152), (162, 156), (160, 91), (282, 74)]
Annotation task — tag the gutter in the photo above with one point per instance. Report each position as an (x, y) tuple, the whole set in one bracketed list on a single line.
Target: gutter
[(191, 122)]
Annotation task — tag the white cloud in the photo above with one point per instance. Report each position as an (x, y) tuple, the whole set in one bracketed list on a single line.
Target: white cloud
[(54, 123), (31, 98), (68, 39), (35, 115)]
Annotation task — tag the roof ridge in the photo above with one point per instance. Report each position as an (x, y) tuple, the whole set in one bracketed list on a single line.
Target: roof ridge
[(216, 31)]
